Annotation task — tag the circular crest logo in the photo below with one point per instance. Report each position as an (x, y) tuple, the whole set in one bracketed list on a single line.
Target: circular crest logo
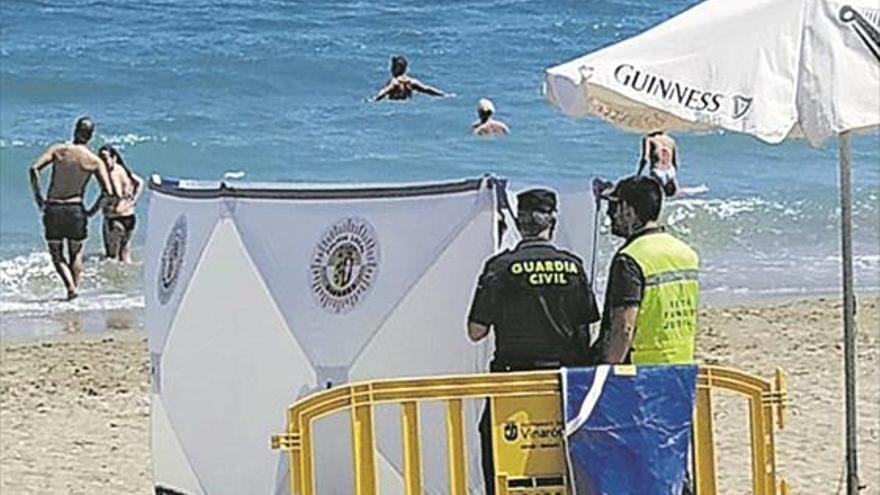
[(344, 264), (172, 259)]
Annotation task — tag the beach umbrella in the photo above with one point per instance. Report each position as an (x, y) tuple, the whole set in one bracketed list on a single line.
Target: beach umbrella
[(775, 69)]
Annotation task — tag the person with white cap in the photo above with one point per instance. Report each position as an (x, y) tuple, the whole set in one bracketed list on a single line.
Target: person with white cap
[(488, 126)]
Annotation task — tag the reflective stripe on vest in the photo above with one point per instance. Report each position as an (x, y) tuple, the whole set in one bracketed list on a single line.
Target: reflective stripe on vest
[(667, 320)]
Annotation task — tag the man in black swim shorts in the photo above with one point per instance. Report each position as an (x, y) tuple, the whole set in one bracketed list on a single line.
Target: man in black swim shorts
[(64, 217)]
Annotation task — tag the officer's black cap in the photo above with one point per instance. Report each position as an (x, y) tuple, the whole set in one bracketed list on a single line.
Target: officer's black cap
[(536, 200)]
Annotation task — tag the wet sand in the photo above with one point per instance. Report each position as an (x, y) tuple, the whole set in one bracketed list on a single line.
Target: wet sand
[(74, 411)]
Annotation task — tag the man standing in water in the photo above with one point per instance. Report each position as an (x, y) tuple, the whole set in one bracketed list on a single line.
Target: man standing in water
[(64, 217), (401, 86), (488, 126)]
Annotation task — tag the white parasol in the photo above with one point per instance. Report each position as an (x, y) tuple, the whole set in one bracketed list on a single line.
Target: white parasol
[(775, 69)]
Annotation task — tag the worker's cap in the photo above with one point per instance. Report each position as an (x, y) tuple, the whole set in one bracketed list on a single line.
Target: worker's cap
[(485, 105), (537, 199), (630, 187)]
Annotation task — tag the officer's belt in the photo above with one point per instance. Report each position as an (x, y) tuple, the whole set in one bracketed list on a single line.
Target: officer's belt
[(528, 365)]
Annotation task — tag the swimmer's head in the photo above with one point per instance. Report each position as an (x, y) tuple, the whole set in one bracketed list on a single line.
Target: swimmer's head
[(83, 130), (485, 108), (398, 65)]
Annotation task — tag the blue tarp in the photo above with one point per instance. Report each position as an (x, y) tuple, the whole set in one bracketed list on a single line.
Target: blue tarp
[(629, 435)]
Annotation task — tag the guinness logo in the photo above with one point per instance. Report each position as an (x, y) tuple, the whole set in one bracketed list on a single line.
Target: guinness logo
[(708, 104), (344, 265), (741, 105), (172, 259), (511, 431), (866, 24)]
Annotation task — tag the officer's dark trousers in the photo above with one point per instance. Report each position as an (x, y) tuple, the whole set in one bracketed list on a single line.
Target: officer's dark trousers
[(486, 449)]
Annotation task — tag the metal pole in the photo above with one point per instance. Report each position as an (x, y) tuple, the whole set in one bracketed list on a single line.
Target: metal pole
[(849, 330)]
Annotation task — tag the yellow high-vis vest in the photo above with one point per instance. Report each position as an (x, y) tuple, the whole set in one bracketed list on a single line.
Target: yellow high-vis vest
[(667, 321)]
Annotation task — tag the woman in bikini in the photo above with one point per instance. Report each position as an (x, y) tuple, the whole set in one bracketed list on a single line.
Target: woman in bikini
[(660, 152), (401, 86), (119, 215)]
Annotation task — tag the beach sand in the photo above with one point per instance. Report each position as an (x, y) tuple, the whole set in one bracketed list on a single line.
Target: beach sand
[(74, 411)]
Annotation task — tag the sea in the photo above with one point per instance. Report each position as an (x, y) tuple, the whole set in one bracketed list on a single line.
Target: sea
[(278, 90)]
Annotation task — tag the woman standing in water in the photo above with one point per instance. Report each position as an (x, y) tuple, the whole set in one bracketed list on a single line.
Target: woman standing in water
[(659, 152), (119, 216)]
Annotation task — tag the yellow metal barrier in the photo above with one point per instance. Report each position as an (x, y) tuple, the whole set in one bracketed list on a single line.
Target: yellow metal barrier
[(767, 401)]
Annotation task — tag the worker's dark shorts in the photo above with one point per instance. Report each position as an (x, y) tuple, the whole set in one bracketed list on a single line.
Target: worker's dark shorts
[(65, 221)]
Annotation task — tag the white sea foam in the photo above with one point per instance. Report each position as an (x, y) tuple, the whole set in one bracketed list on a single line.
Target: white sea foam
[(234, 175), (17, 273), (29, 284), (129, 139), (121, 140), (86, 302), (724, 209), (20, 143)]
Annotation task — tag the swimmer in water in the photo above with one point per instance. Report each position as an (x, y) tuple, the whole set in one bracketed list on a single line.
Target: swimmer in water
[(487, 125), (401, 86)]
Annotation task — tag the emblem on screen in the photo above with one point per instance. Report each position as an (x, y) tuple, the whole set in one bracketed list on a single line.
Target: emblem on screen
[(344, 265), (172, 259)]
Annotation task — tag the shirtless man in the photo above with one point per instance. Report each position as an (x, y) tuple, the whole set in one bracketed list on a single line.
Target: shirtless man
[(64, 217), (119, 217), (487, 126), (401, 86)]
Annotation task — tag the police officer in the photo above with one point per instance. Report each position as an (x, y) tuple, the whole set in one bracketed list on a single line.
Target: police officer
[(538, 301), (650, 314)]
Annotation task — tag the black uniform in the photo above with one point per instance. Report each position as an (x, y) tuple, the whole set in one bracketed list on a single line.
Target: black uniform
[(538, 301)]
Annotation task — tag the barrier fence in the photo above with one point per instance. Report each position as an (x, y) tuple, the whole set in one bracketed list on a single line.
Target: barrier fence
[(766, 401)]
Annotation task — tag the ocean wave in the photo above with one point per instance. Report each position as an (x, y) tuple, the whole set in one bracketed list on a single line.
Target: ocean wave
[(29, 284), (725, 209), (22, 143), (120, 140), (86, 302), (131, 139)]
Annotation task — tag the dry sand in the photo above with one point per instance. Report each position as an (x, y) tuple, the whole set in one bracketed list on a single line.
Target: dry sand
[(74, 412)]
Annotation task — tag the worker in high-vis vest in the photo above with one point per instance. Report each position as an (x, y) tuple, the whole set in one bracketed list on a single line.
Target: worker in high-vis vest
[(652, 297)]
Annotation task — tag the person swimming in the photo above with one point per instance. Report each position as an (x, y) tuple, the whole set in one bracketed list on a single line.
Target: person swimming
[(401, 86), (660, 151), (487, 125)]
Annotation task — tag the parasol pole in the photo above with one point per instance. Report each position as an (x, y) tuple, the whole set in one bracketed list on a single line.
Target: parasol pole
[(849, 330)]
